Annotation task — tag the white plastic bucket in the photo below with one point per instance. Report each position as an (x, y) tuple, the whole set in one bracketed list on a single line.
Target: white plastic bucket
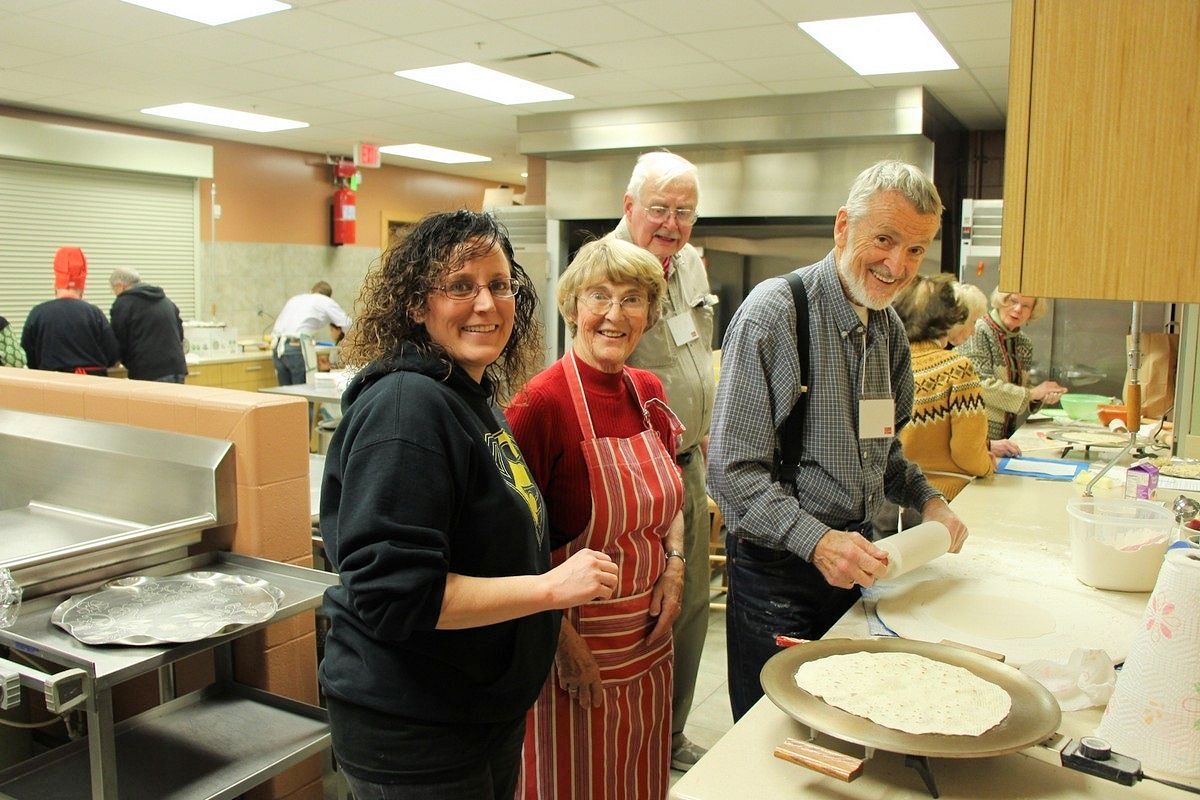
[(1118, 544)]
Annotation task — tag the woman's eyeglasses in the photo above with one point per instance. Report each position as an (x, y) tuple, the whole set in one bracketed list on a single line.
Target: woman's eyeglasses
[(659, 214), (600, 303), (499, 288)]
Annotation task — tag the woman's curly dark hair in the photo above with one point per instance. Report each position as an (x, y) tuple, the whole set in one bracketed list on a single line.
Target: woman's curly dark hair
[(395, 292)]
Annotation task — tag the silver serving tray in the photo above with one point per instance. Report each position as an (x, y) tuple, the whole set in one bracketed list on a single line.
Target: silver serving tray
[(144, 610)]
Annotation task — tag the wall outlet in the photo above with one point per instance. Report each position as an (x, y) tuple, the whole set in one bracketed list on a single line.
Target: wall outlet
[(216, 210)]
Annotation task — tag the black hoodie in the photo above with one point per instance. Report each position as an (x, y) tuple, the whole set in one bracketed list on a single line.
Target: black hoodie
[(423, 478), (149, 332)]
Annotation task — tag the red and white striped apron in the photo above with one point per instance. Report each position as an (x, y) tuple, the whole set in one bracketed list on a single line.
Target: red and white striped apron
[(621, 750)]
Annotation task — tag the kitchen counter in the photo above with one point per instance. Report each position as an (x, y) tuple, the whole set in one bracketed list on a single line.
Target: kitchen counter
[(1018, 531), (224, 358)]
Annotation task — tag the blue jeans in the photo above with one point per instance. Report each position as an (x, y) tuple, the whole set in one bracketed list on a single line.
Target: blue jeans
[(289, 368), (771, 592), (172, 378)]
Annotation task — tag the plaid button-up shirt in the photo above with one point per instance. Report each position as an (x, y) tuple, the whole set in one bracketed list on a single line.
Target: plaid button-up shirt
[(841, 478)]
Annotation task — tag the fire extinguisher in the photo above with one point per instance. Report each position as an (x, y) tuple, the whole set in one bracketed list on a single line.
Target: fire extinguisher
[(344, 216)]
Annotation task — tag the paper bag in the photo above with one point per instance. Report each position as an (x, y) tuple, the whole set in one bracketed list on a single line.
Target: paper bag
[(1156, 373)]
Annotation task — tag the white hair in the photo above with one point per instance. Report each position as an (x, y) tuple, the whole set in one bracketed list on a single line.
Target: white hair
[(893, 176), (660, 168)]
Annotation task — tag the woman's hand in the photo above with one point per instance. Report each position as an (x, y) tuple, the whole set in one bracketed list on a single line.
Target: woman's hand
[(1003, 448), (1048, 392), (585, 576), (578, 673), (667, 599)]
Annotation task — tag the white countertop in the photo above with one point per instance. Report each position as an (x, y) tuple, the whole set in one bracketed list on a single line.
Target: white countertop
[(1018, 529), (253, 355)]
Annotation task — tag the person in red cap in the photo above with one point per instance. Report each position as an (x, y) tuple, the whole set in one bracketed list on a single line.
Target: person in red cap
[(66, 334)]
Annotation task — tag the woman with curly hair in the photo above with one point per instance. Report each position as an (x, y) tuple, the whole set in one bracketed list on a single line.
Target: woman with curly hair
[(445, 622)]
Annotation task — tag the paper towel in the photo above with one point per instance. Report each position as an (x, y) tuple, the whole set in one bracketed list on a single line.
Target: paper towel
[(914, 547), (1154, 714)]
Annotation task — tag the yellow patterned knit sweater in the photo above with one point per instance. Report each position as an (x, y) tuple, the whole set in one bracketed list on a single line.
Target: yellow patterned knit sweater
[(949, 430)]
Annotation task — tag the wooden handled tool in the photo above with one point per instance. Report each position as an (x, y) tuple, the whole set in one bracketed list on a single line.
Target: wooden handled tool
[(820, 759)]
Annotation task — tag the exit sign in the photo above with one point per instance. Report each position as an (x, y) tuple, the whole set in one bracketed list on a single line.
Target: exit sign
[(367, 155)]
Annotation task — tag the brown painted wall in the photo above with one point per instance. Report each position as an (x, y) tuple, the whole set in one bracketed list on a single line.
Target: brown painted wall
[(276, 196)]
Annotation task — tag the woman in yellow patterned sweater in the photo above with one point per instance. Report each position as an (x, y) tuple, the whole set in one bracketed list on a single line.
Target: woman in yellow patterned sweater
[(948, 434)]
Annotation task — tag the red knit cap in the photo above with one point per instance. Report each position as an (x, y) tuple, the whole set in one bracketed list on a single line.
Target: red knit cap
[(70, 268)]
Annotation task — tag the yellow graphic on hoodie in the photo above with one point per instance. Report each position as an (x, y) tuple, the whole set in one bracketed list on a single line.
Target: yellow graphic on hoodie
[(516, 474)]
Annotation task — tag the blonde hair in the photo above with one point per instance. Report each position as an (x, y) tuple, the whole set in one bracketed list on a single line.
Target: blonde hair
[(973, 298), (614, 260), (1003, 299)]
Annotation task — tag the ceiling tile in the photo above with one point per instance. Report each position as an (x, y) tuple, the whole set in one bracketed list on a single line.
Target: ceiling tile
[(306, 67), (386, 55), (121, 21), (399, 18), (52, 37), (691, 16), (763, 41), (703, 92), (642, 54), (992, 77), (809, 10), (494, 10), (809, 86), (596, 25), (981, 52), (965, 22), (223, 46), (302, 30), (801, 66), (31, 84), (480, 42)]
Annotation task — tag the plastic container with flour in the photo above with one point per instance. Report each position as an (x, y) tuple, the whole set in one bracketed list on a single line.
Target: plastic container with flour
[(1118, 544)]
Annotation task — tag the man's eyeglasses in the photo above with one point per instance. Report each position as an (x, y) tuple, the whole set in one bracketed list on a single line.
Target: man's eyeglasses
[(659, 214), (500, 288), (600, 303)]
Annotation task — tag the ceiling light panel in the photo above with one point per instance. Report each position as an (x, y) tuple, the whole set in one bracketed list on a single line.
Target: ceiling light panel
[(212, 12), (484, 83), (884, 44), (427, 152), (224, 117)]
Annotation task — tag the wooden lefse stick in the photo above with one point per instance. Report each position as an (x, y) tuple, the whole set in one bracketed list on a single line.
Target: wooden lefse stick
[(820, 759), (1133, 406)]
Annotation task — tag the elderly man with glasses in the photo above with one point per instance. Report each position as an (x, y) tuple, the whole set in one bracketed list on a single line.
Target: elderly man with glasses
[(660, 209)]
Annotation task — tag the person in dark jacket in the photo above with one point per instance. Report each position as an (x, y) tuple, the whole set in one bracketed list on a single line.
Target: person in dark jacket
[(445, 620), (67, 334), (148, 328)]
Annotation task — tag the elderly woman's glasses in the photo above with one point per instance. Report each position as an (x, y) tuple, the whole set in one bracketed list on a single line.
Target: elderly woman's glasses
[(659, 214), (500, 288), (600, 303)]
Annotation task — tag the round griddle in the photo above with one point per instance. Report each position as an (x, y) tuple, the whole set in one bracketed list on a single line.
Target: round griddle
[(1034, 716)]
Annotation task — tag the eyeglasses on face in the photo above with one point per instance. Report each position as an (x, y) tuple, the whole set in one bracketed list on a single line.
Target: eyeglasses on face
[(598, 302), (463, 290), (684, 216)]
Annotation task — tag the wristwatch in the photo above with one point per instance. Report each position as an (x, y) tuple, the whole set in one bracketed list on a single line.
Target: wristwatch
[(677, 554)]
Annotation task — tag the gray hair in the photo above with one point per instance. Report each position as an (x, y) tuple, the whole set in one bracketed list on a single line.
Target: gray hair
[(124, 276), (659, 168), (1003, 299), (615, 260), (893, 176)]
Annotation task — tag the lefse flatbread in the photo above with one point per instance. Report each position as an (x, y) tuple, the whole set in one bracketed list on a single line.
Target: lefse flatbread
[(907, 692)]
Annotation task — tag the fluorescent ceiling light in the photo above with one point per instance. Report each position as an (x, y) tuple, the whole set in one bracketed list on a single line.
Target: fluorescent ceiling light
[(212, 12), (427, 152), (882, 44), (225, 117), (485, 83)]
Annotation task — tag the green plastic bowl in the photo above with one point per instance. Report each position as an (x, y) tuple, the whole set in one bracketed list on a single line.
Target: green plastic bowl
[(1083, 407)]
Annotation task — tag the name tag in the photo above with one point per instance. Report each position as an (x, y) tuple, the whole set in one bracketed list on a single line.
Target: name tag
[(683, 328), (876, 418)]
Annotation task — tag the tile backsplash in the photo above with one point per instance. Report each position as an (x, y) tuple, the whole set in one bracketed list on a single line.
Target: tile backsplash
[(236, 280)]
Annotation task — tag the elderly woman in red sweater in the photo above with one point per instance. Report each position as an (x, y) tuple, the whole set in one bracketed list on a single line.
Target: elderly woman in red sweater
[(600, 442)]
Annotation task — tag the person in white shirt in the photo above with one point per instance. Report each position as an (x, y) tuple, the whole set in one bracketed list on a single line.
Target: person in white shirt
[(304, 314)]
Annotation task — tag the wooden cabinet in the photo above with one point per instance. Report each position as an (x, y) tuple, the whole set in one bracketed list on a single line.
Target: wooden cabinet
[(1101, 197), (247, 374)]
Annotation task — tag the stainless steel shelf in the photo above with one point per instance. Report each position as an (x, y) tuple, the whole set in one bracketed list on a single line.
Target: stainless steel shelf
[(209, 745), (35, 635)]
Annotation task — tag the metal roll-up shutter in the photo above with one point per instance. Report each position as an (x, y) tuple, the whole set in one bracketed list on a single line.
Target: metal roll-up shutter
[(120, 219)]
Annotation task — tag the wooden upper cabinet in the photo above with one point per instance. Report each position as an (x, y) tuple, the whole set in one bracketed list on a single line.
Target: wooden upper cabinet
[(1102, 162)]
